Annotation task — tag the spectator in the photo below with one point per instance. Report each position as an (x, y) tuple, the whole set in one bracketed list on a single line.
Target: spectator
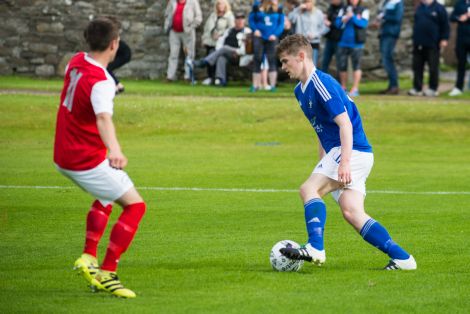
[(264, 85), (218, 22), (353, 20), (468, 83), (430, 34), (389, 20), (230, 48), (461, 15), (123, 56), (267, 24), (289, 6), (333, 34), (182, 17), (309, 22)]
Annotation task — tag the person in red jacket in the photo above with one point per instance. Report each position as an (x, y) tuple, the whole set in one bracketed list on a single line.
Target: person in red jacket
[(87, 151)]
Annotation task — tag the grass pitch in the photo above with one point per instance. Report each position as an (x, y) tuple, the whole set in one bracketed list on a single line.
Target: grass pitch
[(206, 251)]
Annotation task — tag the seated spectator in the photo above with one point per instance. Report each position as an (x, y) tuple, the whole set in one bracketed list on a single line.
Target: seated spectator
[(230, 48), (353, 20), (333, 35), (123, 56), (461, 15), (182, 17), (267, 24), (308, 21), (430, 35), (218, 22)]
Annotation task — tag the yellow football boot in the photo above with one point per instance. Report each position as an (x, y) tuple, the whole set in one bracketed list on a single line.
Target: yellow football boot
[(87, 266), (109, 281)]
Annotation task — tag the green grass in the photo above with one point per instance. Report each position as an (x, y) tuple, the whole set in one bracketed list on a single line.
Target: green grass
[(207, 251)]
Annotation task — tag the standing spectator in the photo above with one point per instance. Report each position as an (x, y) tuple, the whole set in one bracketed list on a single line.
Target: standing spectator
[(289, 27), (389, 20), (461, 15), (123, 56), (289, 6), (264, 84), (333, 35), (267, 23), (430, 34), (230, 48), (353, 20), (218, 22), (182, 17), (308, 21)]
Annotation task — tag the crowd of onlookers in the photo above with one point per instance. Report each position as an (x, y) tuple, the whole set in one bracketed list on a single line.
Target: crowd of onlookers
[(251, 38)]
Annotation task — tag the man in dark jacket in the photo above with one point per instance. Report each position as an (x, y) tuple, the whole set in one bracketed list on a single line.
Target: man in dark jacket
[(430, 35), (389, 19), (461, 15), (333, 36)]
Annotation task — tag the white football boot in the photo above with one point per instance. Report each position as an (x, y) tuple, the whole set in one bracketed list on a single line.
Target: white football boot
[(403, 264)]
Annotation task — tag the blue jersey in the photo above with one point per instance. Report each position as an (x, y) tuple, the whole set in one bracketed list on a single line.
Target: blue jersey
[(321, 100)]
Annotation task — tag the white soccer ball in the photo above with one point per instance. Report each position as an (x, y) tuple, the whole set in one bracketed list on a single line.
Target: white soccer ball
[(281, 263)]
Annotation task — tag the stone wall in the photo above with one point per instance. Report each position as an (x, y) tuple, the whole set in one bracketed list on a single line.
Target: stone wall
[(38, 37)]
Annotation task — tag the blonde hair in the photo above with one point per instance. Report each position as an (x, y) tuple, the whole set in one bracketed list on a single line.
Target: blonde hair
[(225, 2), (268, 4)]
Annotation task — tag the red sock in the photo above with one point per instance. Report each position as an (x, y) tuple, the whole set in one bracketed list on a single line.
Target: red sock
[(122, 234), (96, 222)]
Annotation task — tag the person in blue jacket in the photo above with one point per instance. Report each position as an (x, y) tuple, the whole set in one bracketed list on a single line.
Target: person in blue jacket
[(461, 15), (430, 35), (353, 20), (267, 23), (389, 20)]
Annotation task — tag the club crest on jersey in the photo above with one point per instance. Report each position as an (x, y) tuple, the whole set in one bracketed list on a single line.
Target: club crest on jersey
[(318, 127)]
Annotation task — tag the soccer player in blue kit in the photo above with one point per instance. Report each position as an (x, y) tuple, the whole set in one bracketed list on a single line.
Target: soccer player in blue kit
[(346, 159)]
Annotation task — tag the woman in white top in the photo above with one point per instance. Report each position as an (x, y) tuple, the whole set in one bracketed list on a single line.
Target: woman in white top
[(308, 21), (218, 22)]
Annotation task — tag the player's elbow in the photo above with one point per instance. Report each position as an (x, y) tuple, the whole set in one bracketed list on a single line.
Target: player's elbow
[(103, 116)]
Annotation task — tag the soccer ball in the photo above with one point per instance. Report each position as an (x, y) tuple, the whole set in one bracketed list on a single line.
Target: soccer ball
[(281, 263)]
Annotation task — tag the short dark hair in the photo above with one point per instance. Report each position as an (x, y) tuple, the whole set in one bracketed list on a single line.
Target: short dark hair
[(292, 45), (101, 31)]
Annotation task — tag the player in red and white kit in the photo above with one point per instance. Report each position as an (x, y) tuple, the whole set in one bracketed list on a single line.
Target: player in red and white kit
[(87, 151)]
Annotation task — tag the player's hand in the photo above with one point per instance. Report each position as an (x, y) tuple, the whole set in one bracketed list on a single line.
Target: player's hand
[(117, 160), (257, 33), (344, 173), (272, 38)]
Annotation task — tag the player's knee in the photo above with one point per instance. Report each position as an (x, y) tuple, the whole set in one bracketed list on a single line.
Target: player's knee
[(307, 192), (348, 214), (134, 213), (140, 209), (106, 208)]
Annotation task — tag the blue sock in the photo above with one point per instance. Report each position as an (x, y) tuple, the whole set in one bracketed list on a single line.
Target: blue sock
[(377, 235), (315, 218)]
